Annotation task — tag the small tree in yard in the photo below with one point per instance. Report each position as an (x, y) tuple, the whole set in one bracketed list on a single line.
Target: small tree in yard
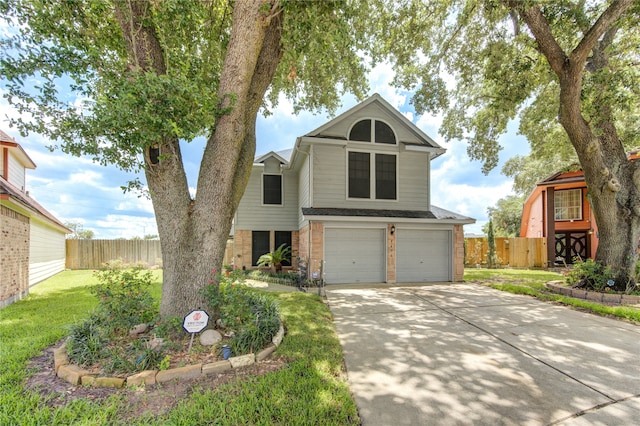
[(275, 258), (492, 257)]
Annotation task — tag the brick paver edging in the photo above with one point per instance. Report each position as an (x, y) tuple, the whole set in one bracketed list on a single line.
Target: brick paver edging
[(79, 376), (607, 298)]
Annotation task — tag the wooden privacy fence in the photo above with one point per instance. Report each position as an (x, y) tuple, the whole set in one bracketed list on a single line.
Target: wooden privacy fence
[(91, 254), (513, 252)]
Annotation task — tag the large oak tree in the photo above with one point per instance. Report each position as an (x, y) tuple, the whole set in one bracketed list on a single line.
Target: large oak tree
[(124, 81), (572, 64)]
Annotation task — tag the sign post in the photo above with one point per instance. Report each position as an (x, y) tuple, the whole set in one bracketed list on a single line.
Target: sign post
[(194, 322)]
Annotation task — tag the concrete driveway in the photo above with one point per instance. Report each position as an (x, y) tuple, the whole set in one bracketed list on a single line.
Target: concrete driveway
[(467, 354)]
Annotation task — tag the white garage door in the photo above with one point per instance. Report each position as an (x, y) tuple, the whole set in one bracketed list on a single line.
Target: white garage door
[(423, 255), (354, 256)]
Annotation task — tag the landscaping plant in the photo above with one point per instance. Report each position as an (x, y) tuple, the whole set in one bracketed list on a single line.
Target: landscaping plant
[(249, 315), (591, 275)]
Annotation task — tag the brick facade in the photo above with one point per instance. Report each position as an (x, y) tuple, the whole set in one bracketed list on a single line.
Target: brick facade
[(14, 256), (458, 253), (391, 253), (242, 243)]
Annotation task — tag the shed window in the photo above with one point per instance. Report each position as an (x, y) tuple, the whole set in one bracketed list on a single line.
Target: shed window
[(272, 189), (568, 204)]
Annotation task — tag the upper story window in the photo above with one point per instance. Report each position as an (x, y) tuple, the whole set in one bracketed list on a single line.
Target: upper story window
[(272, 189), (372, 173), (568, 204), (372, 131)]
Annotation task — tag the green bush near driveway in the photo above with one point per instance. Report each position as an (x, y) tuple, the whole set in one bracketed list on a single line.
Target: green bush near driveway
[(310, 389)]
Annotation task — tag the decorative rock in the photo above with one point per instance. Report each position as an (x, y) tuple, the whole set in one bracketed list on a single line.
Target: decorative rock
[(72, 373), (279, 336), (147, 377), (108, 382), (216, 367), (138, 329), (188, 372), (155, 343), (242, 360), (210, 338), (60, 358), (265, 352), (219, 323)]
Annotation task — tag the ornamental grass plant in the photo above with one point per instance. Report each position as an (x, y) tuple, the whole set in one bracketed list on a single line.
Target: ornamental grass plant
[(310, 389)]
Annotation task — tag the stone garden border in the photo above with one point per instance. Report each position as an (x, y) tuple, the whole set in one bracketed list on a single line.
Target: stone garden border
[(594, 296), (79, 376)]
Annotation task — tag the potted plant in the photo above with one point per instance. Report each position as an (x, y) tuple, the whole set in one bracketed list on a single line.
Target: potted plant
[(275, 258)]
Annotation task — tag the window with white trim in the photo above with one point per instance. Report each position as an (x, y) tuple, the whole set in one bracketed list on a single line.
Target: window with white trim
[(372, 173), (568, 204), (272, 189), (372, 131)]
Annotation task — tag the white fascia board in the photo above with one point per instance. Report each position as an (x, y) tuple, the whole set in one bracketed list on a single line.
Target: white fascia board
[(359, 219), (324, 141), (435, 152)]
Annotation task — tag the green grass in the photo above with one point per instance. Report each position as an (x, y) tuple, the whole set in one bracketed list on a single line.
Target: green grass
[(310, 389), (532, 283)]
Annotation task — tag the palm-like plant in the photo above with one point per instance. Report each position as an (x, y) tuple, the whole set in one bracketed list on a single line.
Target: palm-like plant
[(275, 258)]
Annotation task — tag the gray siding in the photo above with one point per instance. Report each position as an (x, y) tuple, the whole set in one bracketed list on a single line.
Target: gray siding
[(304, 196), (340, 130), (251, 214), (330, 179)]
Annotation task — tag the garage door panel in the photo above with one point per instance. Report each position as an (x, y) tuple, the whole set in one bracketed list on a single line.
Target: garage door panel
[(354, 255), (423, 255)]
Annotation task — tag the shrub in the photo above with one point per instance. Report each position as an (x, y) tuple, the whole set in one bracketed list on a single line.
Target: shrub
[(86, 341), (590, 275), (124, 296), (251, 315)]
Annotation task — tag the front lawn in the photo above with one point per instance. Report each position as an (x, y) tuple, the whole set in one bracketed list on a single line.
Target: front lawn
[(310, 389), (532, 283)]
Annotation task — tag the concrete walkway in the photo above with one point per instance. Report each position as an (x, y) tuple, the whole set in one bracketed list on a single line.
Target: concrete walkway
[(454, 354)]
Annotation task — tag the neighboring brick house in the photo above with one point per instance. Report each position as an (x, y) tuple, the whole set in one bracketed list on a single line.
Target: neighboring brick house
[(32, 245), (558, 209), (352, 199)]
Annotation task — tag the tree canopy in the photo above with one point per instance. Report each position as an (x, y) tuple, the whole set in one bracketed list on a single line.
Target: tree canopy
[(567, 70), (68, 71)]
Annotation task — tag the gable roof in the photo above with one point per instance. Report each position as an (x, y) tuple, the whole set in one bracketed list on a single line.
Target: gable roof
[(12, 194), (9, 142), (283, 156), (377, 99)]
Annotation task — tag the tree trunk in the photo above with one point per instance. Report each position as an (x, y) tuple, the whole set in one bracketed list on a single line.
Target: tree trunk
[(194, 232), (613, 181)]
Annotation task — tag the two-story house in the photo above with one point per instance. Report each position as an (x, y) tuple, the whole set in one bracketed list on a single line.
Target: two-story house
[(352, 199), (32, 246)]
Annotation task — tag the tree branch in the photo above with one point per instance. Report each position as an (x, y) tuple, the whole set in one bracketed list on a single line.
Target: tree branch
[(580, 54), (539, 26)]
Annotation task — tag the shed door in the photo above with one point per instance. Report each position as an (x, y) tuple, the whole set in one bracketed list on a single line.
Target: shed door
[(354, 255), (423, 255)]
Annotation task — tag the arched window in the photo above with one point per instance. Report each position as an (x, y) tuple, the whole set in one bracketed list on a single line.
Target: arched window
[(372, 131)]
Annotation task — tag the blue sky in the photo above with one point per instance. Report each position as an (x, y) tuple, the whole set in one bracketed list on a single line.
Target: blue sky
[(77, 190)]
